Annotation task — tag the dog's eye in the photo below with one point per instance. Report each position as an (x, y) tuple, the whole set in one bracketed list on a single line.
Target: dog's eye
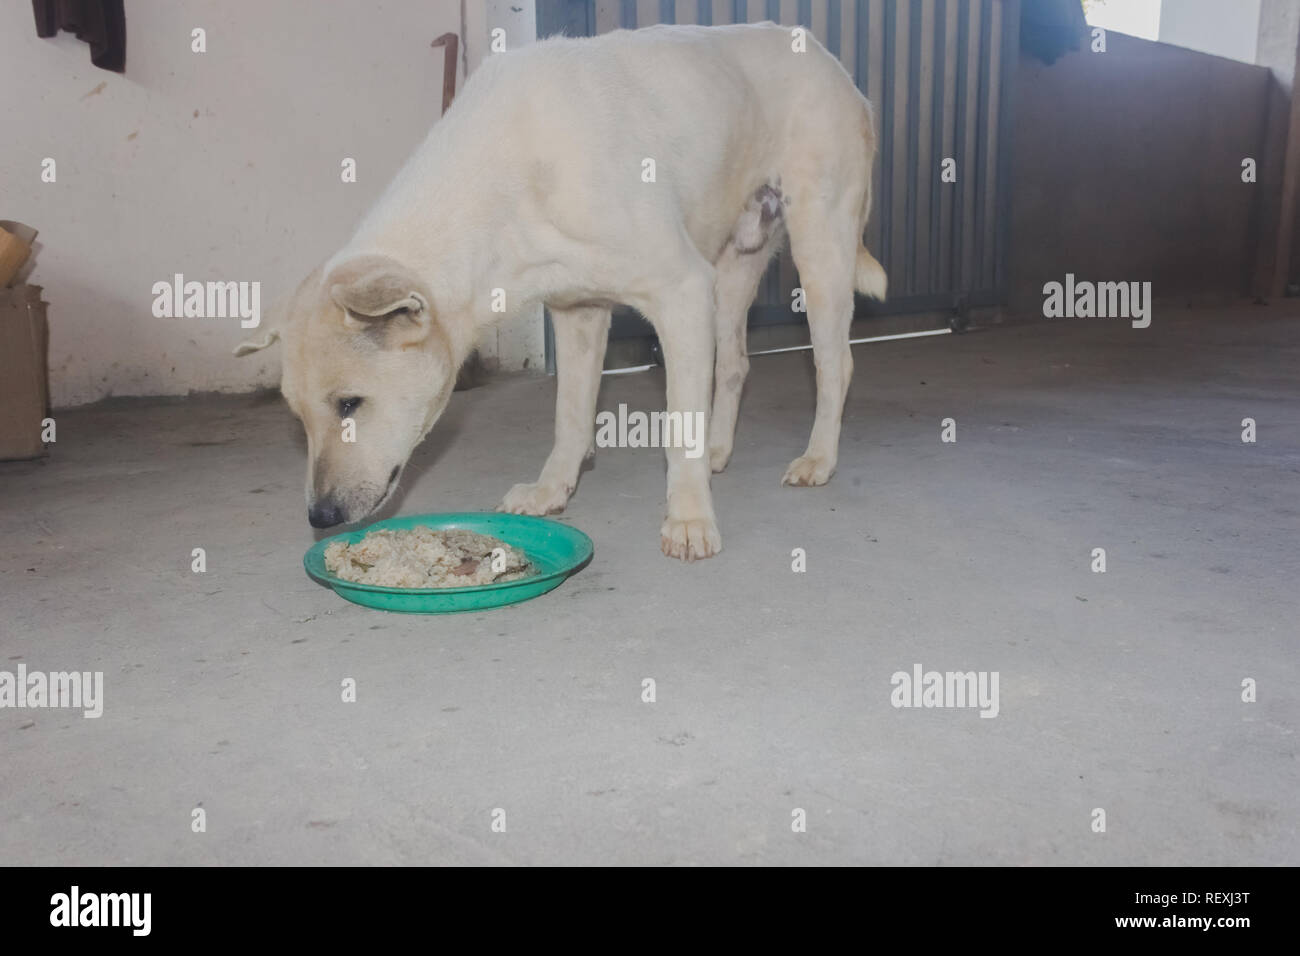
[(347, 406)]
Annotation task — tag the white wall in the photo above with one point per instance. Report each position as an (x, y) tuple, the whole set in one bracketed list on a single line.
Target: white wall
[(1228, 28), (222, 166), (520, 343)]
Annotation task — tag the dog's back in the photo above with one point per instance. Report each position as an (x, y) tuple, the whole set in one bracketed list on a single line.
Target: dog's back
[(710, 113)]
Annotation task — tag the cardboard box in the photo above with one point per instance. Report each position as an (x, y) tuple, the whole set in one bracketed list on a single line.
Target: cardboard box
[(15, 246), (24, 384)]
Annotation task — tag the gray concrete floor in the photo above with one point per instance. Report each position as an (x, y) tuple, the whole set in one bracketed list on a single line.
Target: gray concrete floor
[(1118, 690)]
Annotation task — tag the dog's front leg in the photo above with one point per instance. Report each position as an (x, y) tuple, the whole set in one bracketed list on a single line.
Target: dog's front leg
[(580, 337), (683, 318)]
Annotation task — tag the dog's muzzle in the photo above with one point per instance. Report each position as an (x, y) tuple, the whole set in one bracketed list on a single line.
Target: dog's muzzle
[(324, 514)]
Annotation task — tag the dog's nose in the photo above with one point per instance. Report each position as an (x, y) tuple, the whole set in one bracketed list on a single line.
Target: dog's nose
[(324, 514)]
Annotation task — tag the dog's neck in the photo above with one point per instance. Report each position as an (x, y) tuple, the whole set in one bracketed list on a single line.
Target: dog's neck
[(412, 224)]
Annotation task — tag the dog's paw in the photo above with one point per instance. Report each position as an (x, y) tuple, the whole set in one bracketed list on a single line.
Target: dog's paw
[(805, 470), (533, 499), (690, 539), (718, 458)]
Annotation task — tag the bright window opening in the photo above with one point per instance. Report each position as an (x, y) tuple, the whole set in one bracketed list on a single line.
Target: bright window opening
[(1227, 28)]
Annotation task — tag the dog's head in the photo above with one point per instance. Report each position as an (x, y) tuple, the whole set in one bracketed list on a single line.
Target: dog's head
[(368, 369)]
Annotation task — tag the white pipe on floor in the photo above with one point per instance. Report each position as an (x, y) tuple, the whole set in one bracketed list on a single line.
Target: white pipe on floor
[(874, 338), (799, 348)]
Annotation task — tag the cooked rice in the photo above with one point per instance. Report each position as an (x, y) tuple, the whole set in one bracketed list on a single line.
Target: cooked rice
[(425, 558)]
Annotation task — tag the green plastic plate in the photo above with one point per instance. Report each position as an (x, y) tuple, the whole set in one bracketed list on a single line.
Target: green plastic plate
[(555, 550)]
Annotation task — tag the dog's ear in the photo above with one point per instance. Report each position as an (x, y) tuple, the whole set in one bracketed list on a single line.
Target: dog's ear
[(250, 346), (379, 297), (276, 316)]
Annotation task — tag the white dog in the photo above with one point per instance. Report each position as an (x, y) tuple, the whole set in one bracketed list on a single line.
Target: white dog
[(657, 168)]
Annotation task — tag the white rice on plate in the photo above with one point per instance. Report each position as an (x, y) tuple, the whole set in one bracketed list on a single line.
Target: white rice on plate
[(426, 558)]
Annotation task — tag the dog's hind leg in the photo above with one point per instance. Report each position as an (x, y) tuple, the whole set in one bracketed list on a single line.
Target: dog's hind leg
[(580, 338), (825, 244), (738, 276)]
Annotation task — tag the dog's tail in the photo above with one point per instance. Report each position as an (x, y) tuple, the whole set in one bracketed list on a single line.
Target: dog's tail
[(870, 278)]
